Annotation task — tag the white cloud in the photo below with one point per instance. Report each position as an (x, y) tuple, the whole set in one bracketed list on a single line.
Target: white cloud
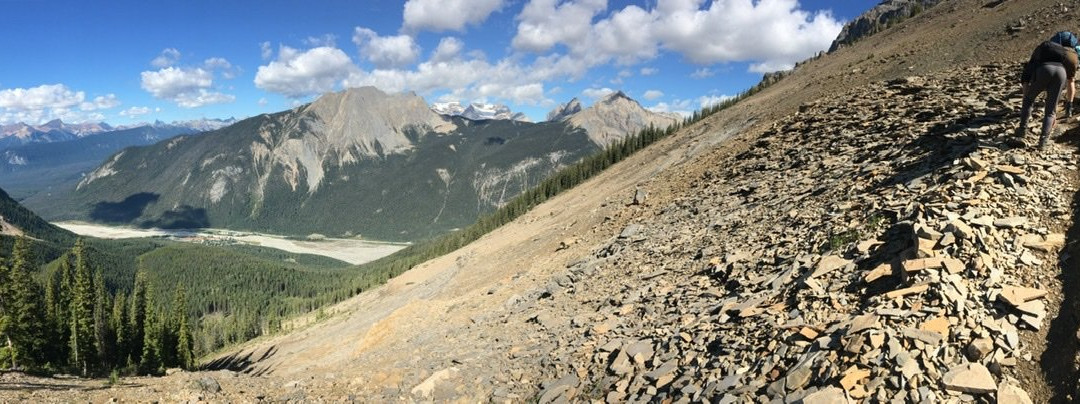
[(297, 74), (386, 51), (702, 73), (168, 57), (649, 71), (266, 51), (187, 87), (449, 48), (101, 102), (596, 93), (706, 101), (170, 82), (222, 65), (135, 112), (263, 101), (52, 101), (772, 34), (40, 97), (327, 40), (653, 94), (444, 15), (544, 23)]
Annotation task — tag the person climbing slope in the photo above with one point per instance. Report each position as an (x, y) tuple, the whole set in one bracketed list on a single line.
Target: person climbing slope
[(1051, 68)]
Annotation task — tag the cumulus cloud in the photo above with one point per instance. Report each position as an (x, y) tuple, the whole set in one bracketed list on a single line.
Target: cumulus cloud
[(653, 94), (228, 70), (702, 73), (386, 51), (706, 101), (649, 71), (187, 87), (447, 15), (297, 73), (100, 102), (544, 23), (168, 57), (135, 112), (597, 93), (449, 48), (52, 101), (775, 33), (772, 34), (266, 51)]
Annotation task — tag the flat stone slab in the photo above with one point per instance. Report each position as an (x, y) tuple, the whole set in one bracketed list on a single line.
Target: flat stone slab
[(970, 378)]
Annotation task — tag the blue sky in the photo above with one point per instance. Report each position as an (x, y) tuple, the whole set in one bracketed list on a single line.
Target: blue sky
[(130, 61)]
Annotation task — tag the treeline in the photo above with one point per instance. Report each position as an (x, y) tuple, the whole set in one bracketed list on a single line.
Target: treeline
[(241, 293), (73, 323)]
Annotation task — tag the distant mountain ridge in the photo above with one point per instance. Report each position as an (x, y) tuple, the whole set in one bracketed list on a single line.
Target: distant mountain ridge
[(478, 111), (611, 118), (56, 130)]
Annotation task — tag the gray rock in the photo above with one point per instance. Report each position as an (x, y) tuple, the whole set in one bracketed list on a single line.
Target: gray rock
[(207, 384)]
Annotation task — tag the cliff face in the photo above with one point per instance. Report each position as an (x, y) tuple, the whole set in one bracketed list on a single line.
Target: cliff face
[(882, 16)]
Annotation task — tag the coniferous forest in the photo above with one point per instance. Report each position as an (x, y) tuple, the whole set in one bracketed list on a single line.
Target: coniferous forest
[(72, 323)]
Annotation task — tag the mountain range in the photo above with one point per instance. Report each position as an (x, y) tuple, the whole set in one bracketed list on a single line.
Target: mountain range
[(478, 111), (358, 161), (19, 133)]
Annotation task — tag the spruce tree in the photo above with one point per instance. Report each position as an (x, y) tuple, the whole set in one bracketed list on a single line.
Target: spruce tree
[(137, 319), (20, 308), (118, 321), (83, 349), (151, 346), (184, 356), (103, 340)]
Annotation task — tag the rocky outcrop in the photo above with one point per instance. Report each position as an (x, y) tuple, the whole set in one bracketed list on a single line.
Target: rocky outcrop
[(882, 16), (612, 118)]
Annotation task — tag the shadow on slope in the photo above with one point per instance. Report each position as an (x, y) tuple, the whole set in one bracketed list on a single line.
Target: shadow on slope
[(945, 142), (1058, 361), (184, 217), (242, 363), (125, 211)]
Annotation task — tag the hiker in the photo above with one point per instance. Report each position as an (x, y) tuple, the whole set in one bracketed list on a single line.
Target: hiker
[(1053, 64)]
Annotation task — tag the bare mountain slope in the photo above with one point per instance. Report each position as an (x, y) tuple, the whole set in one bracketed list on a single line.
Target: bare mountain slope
[(744, 274)]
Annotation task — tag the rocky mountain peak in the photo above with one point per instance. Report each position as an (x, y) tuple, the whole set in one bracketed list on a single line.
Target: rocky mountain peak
[(612, 118), (885, 14), (564, 111)]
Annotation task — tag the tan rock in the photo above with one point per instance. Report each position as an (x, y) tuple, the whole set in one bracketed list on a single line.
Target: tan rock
[(939, 325), (879, 272), (1017, 295), (808, 333), (1009, 393), (970, 378), (852, 377), (1010, 169), (828, 395), (828, 264), (908, 291)]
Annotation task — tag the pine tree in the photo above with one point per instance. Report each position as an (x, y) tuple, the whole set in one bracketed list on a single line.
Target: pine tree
[(137, 319), (118, 321), (82, 344), (20, 309), (184, 356), (151, 347), (103, 340)]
